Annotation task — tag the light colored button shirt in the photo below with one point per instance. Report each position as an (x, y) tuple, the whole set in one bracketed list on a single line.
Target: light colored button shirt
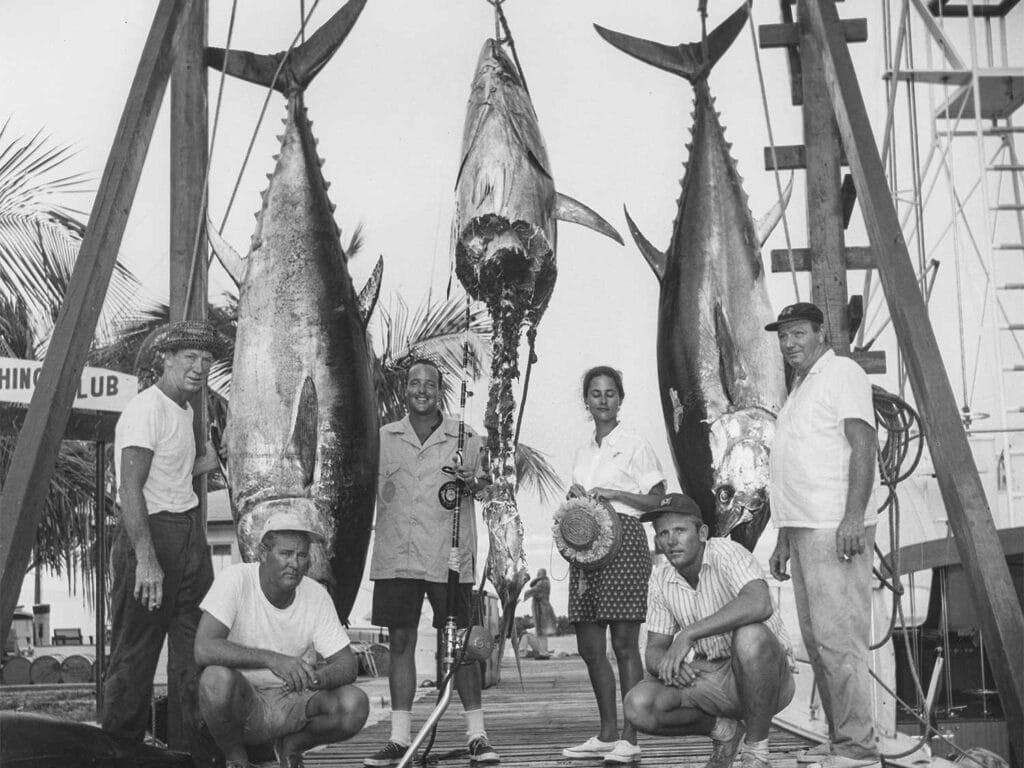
[(672, 604), (810, 458), (414, 531), (153, 421), (623, 461)]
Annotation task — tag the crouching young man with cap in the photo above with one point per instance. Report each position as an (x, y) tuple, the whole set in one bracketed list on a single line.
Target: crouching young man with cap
[(717, 652), (263, 625)]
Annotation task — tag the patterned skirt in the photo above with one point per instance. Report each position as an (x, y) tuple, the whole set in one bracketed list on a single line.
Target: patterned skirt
[(618, 590)]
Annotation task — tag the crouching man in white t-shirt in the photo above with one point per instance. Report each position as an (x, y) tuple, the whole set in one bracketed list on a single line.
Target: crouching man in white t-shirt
[(262, 627)]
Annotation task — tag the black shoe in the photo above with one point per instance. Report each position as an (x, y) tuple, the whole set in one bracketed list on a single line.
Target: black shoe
[(386, 756), (481, 751)]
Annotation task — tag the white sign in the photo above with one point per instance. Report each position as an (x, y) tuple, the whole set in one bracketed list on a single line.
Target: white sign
[(99, 389)]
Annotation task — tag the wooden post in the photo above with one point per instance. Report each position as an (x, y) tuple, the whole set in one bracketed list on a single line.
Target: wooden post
[(981, 554), (31, 468), (825, 238)]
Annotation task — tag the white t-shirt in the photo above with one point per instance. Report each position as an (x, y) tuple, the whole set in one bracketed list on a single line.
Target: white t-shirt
[(810, 458), (624, 461), (152, 420), (310, 624)]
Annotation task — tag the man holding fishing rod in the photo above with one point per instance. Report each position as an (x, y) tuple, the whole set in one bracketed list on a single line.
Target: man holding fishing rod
[(412, 552)]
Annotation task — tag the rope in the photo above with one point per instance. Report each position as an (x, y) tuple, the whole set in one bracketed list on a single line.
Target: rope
[(201, 215), (263, 112), (531, 337), (499, 15), (771, 144)]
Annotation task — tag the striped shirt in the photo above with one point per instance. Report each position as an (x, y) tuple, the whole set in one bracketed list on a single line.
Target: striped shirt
[(673, 604)]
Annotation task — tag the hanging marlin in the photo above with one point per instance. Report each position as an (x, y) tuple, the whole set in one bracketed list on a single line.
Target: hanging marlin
[(302, 427), (720, 375), (506, 207)]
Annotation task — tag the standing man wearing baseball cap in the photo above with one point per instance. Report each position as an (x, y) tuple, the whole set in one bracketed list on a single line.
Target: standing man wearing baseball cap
[(717, 652), (822, 476), (264, 625), (159, 558)]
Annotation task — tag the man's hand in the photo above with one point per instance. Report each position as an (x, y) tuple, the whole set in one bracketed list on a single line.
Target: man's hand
[(850, 538), (296, 674), (675, 668), (149, 582), (604, 494), (576, 491), (780, 557)]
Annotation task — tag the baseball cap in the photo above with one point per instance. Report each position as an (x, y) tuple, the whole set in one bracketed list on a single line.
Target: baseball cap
[(802, 310), (679, 503), (286, 520)]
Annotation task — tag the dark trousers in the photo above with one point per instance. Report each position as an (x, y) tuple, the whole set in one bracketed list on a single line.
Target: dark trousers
[(138, 634)]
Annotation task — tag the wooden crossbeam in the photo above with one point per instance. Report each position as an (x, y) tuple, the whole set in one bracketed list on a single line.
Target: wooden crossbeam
[(31, 468), (981, 10), (791, 157), (787, 35), (981, 553), (854, 257), (872, 361)]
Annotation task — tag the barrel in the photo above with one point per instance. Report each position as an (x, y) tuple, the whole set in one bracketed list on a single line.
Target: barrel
[(16, 671), (46, 669), (77, 668)]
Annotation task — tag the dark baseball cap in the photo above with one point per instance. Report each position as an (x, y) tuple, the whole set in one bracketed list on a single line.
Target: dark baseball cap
[(679, 503), (802, 310)]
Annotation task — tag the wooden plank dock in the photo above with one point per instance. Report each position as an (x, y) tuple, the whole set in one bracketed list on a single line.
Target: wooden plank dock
[(529, 725)]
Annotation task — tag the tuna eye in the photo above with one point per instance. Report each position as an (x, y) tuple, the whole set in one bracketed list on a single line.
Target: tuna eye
[(724, 494)]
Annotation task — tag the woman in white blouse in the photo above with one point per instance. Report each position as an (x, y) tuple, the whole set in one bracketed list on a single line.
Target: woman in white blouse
[(621, 468)]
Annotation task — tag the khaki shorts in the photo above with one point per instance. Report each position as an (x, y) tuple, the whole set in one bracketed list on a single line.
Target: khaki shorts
[(715, 692), (275, 713)]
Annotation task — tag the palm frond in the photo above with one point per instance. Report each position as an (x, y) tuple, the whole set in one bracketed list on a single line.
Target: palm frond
[(536, 473)]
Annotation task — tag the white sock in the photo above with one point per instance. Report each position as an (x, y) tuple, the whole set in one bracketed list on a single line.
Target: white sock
[(759, 748), (474, 724), (724, 730), (401, 727)]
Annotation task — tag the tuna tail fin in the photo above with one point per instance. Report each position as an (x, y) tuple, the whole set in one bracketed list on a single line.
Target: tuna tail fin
[(228, 257), (302, 445), (576, 212), (654, 257), (767, 223), (368, 296), (686, 60), (304, 62)]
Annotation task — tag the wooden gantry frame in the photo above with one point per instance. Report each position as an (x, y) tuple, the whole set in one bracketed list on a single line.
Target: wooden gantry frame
[(835, 119)]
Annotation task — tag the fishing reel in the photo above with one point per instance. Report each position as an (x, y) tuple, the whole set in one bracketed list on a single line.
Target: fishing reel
[(466, 646)]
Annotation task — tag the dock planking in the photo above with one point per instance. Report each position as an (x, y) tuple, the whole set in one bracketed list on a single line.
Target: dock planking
[(530, 724)]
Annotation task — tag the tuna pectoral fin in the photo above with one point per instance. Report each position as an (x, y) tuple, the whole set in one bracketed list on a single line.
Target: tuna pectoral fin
[(568, 209), (654, 257), (304, 62), (767, 223), (728, 358), (368, 296), (228, 257), (683, 60), (302, 445)]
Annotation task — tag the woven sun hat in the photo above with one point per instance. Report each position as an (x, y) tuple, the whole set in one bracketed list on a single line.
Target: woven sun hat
[(190, 334), (587, 532)]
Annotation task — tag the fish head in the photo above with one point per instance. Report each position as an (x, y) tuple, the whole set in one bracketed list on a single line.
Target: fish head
[(740, 447)]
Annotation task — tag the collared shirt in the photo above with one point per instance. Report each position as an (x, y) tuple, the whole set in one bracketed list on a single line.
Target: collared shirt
[(810, 458), (153, 421), (623, 461), (414, 531), (726, 568)]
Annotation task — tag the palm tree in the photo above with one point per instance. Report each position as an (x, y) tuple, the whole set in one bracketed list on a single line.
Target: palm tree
[(39, 241)]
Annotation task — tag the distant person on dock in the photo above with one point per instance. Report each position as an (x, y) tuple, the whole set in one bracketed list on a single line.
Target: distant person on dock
[(412, 551), (544, 621), (822, 477), (618, 467), (718, 654), (264, 625), (159, 559)]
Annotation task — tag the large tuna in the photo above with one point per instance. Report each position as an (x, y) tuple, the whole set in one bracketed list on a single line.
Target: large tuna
[(720, 375), (302, 427), (506, 207)]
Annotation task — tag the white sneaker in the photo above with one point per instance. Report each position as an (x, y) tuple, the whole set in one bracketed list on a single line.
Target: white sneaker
[(590, 749), (623, 753), (838, 761), (814, 754)]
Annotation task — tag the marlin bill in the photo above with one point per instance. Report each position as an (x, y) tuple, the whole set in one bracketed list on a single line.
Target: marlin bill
[(720, 376), (302, 426), (505, 256)]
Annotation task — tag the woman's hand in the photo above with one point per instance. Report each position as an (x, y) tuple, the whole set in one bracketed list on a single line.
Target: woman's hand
[(605, 494), (576, 491)]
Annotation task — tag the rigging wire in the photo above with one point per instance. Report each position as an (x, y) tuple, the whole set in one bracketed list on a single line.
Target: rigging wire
[(771, 144)]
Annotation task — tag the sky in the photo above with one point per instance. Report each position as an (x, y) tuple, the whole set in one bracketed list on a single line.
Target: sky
[(389, 111)]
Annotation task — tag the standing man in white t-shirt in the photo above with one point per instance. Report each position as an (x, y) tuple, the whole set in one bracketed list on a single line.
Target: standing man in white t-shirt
[(822, 477), (159, 559), (264, 625)]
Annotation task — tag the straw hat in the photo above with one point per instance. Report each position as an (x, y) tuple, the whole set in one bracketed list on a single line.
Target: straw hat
[(587, 532)]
